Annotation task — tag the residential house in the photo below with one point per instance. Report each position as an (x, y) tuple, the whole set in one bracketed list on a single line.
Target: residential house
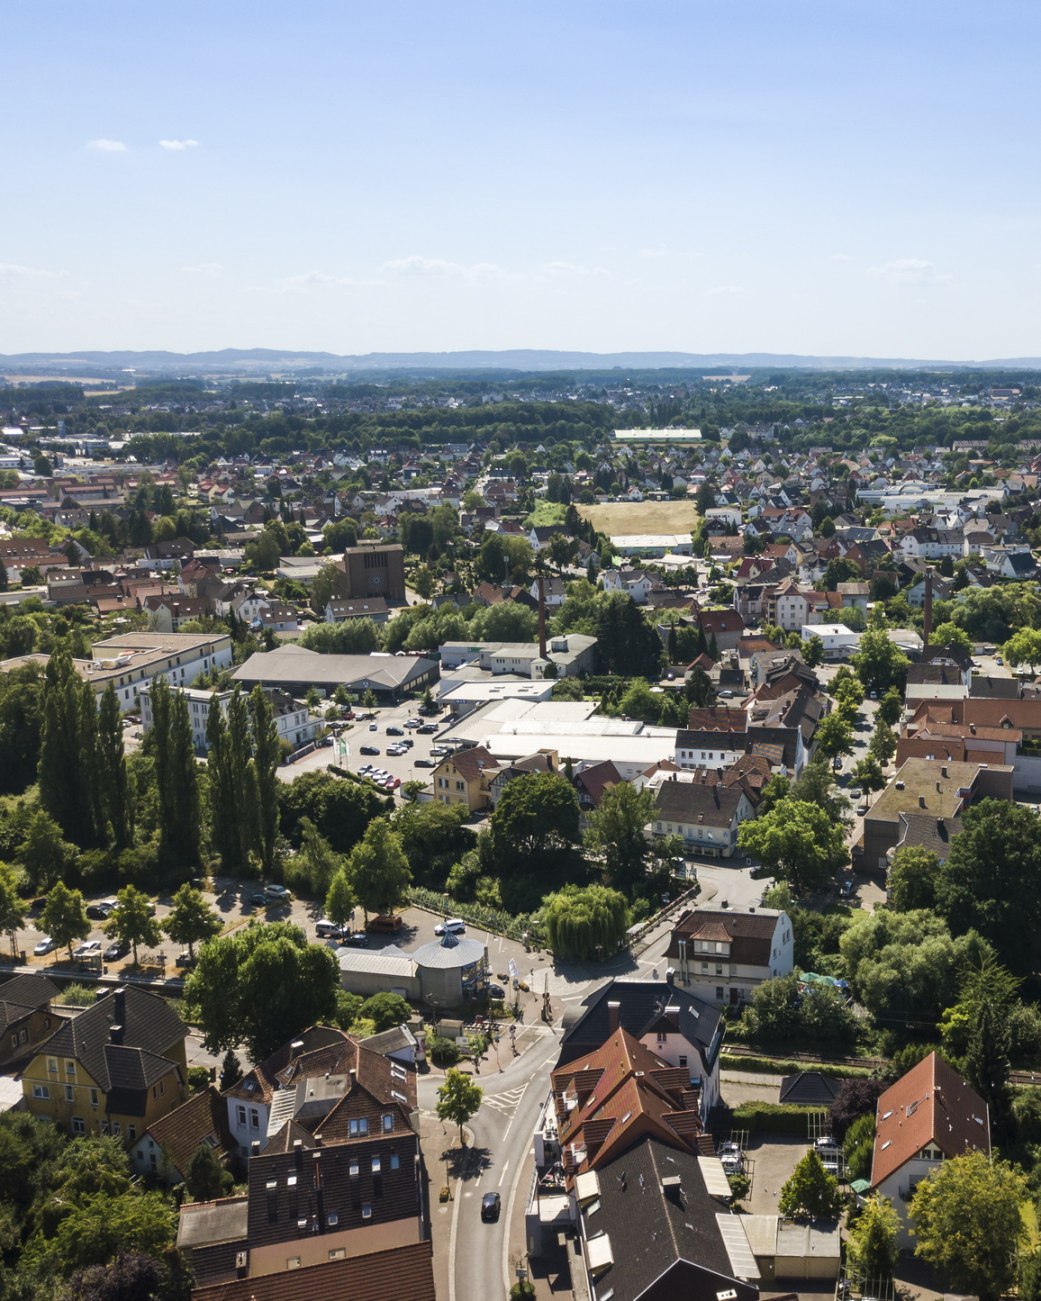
[(114, 1068), (930, 1115), (166, 1148), (464, 778), (341, 609), (724, 956), (705, 816), (26, 1019)]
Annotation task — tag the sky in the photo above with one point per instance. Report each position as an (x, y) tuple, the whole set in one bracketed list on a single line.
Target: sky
[(839, 177)]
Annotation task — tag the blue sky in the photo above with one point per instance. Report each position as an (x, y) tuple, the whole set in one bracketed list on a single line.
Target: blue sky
[(811, 176)]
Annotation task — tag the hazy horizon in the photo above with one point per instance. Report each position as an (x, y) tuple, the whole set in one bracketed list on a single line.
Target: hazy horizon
[(828, 177)]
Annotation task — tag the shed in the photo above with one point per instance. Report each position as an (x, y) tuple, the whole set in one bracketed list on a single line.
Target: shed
[(794, 1249)]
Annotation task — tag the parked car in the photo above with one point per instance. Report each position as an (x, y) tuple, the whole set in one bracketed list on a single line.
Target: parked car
[(370, 749), (97, 912), (324, 928), (495, 991), (87, 949), (395, 731), (427, 729), (258, 899), (491, 1203), (277, 893), (355, 939), (425, 763), (413, 722), (385, 923), (372, 727), (116, 950), (46, 945), (455, 925)]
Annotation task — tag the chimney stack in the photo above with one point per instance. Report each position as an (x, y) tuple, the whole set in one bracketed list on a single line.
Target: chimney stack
[(670, 976), (119, 1006), (296, 1048), (927, 613), (115, 1033), (614, 1010)]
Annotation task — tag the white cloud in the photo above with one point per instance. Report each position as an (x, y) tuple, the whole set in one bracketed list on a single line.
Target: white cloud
[(105, 146), (313, 280), (414, 265), (839, 257), (724, 291), (211, 270), (910, 271), (178, 146), (557, 269), (14, 271)]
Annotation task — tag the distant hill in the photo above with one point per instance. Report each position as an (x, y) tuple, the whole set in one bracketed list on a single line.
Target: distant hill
[(266, 361)]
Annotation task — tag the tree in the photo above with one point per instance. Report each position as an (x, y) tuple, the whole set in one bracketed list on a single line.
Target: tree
[(950, 634), (1024, 647), (68, 767), (261, 986), (378, 869), (990, 880), (585, 922), (266, 755), (230, 1071), (317, 862), (911, 880), (797, 841), (616, 831), (903, 966), (386, 1011), (191, 920), (810, 1191), (871, 1246), (205, 1178), (626, 642), (813, 651), (43, 854), (868, 774), (434, 837), (12, 909), (989, 997), (890, 707), (856, 1097), (176, 777), (132, 922), (879, 663), (340, 899), (112, 772), (882, 746), (234, 825), (966, 1216), (64, 916), (458, 1099), (834, 735), (535, 821)]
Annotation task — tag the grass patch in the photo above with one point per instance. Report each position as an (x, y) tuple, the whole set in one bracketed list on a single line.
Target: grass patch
[(545, 514)]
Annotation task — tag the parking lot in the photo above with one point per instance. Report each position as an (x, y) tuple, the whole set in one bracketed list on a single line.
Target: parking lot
[(415, 764)]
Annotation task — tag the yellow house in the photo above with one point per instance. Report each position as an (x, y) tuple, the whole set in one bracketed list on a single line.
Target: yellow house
[(115, 1068), (465, 778)]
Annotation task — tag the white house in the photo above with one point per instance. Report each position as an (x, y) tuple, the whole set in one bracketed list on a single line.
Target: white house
[(723, 957)]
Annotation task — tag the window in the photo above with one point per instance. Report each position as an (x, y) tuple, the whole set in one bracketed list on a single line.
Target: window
[(366, 1210), (375, 1165), (78, 1127), (683, 1061), (377, 1186), (70, 1068), (254, 1118), (719, 992), (93, 1097), (41, 1091), (240, 1114), (132, 1133), (292, 1262), (70, 1093), (360, 1125), (354, 1167), (395, 1161), (388, 1123), (115, 1128), (52, 1065), (338, 1253)]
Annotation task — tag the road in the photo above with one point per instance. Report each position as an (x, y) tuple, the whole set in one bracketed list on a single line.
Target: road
[(479, 1254)]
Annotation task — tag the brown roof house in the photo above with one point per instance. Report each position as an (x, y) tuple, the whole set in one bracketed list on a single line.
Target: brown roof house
[(705, 815), (165, 1150), (25, 1015), (723, 957), (928, 1116), (465, 778)]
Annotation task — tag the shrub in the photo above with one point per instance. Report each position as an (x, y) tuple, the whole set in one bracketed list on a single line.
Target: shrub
[(78, 995), (442, 1051), (198, 1078), (772, 1118)]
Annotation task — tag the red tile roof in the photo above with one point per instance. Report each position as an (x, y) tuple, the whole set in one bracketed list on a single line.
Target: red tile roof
[(930, 1104)]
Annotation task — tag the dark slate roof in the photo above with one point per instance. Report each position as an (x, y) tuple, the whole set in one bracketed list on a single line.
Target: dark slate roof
[(151, 1028), (693, 802), (928, 832), (665, 1247), (810, 1089), (749, 934), (24, 994), (642, 1005), (295, 1193)]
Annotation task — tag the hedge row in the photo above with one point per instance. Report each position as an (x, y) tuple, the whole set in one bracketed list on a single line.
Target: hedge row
[(513, 925), (778, 1066), (772, 1118)]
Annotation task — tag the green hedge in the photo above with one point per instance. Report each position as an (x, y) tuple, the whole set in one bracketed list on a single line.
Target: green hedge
[(778, 1066), (772, 1118), (512, 925)]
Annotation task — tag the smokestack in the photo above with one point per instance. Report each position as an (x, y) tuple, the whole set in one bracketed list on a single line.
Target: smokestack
[(613, 1014), (927, 613), (115, 1034), (542, 614), (119, 1005)]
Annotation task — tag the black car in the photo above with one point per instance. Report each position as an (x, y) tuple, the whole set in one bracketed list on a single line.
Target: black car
[(370, 749), (495, 991), (116, 950), (428, 729), (355, 939), (490, 1206), (259, 899), (425, 763), (395, 731), (97, 912)]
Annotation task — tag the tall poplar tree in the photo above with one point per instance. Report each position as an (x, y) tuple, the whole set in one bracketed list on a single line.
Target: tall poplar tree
[(67, 769), (265, 758), (234, 818), (112, 772), (176, 777)]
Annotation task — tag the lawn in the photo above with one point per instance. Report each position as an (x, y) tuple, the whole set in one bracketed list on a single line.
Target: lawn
[(617, 517), (546, 513)]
